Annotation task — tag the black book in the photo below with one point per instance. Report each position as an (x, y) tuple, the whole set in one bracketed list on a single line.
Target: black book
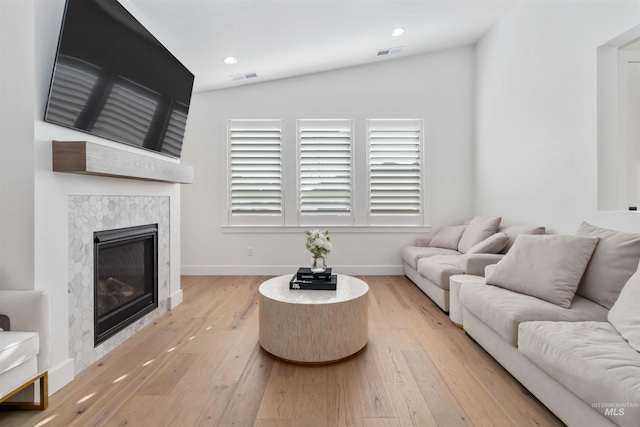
[(306, 274), (322, 285)]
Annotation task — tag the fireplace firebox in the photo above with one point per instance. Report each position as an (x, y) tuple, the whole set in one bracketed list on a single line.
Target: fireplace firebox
[(125, 278)]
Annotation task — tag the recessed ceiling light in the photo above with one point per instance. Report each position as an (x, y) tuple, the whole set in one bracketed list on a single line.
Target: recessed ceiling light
[(230, 60), (397, 32)]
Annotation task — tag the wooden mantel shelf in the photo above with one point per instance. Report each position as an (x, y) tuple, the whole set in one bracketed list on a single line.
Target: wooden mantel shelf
[(87, 158)]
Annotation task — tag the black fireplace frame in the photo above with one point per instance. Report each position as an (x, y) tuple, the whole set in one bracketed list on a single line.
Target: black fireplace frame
[(118, 319)]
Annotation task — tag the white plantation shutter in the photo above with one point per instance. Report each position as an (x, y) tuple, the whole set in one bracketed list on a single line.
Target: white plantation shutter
[(395, 170), (127, 113), (255, 158), (325, 170)]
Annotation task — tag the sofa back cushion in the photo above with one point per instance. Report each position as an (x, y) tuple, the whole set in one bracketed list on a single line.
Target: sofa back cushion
[(448, 237), (625, 313), (613, 262), (477, 230), (491, 245), (513, 231), (546, 267)]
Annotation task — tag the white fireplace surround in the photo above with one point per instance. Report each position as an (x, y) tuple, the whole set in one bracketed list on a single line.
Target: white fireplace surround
[(88, 214)]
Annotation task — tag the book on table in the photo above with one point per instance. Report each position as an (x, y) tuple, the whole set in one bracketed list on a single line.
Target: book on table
[(305, 273), (306, 279)]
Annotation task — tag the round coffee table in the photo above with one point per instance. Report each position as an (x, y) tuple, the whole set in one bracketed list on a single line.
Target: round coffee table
[(309, 326)]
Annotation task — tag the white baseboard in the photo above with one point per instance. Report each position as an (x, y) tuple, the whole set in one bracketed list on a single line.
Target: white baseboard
[(61, 375), (175, 299), (276, 270)]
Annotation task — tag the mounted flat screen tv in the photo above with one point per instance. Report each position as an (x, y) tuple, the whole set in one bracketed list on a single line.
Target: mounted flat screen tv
[(112, 78)]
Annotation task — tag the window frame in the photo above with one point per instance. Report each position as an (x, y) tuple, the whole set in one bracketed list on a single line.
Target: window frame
[(359, 217), (325, 219), (258, 219), (396, 219)]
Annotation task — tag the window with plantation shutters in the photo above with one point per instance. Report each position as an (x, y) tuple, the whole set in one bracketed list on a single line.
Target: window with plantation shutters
[(255, 181), (325, 171), (395, 171)]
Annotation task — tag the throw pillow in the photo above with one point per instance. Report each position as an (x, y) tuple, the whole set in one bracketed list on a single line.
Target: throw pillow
[(478, 229), (624, 315), (545, 267), (514, 231), (615, 260), (490, 245), (448, 237)]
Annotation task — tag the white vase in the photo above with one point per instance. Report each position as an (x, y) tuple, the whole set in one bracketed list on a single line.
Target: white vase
[(318, 264)]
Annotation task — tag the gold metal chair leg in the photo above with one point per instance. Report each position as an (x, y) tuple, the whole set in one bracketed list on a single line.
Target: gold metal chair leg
[(44, 395)]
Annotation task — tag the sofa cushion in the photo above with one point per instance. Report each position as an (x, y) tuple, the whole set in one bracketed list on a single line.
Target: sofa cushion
[(503, 310), (448, 237), (477, 230), (438, 269), (491, 245), (513, 231), (17, 376), (615, 259), (625, 313), (546, 267), (411, 254), (17, 347), (592, 360)]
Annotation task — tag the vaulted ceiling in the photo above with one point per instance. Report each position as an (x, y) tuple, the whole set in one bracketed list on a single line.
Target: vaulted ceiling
[(278, 39)]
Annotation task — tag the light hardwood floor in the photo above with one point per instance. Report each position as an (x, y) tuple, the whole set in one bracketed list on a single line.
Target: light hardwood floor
[(201, 365)]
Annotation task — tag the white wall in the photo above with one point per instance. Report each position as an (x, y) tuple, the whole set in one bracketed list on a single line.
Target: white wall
[(536, 134), (612, 166), (617, 115), (437, 87), (16, 146), (33, 199), (629, 112)]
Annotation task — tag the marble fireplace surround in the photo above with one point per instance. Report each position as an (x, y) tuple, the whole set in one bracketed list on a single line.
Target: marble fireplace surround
[(88, 214)]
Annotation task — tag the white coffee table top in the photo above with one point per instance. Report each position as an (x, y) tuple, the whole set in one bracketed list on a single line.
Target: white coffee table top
[(347, 288)]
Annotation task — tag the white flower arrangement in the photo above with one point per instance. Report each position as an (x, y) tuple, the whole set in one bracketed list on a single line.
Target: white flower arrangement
[(318, 243)]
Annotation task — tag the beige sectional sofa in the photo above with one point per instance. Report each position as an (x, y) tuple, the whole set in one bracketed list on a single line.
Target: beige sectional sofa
[(562, 315), (462, 249)]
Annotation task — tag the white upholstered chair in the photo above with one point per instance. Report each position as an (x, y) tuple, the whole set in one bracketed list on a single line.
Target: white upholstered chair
[(24, 346)]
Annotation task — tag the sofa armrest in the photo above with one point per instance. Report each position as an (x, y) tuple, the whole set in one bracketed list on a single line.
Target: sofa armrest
[(476, 263), (423, 241), (29, 311)]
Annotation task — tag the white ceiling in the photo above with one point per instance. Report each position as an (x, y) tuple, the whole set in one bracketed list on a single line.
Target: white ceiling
[(285, 38)]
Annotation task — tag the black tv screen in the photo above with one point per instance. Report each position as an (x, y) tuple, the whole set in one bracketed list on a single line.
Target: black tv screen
[(112, 78)]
